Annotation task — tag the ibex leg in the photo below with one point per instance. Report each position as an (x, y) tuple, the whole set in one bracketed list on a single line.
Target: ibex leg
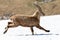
[(32, 30), (38, 26), (6, 29)]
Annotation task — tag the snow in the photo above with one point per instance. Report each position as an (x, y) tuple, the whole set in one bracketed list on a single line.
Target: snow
[(51, 23)]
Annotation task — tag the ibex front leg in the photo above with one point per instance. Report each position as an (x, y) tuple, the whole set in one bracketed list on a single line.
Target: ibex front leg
[(32, 30), (38, 26)]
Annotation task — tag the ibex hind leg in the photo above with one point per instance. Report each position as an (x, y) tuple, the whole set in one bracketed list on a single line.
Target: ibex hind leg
[(39, 27), (6, 29)]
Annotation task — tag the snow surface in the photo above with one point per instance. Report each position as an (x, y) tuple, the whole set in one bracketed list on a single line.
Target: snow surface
[(51, 23)]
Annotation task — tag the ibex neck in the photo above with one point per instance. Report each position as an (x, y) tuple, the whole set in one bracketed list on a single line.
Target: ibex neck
[(36, 14)]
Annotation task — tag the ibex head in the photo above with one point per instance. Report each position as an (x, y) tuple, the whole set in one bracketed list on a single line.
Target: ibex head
[(39, 8)]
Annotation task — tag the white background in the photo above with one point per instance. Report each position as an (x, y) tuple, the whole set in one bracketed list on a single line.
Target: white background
[(51, 23)]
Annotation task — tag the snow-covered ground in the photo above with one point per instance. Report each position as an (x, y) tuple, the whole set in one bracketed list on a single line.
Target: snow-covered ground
[(51, 23)]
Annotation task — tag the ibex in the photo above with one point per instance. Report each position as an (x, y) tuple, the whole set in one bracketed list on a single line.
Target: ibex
[(27, 21)]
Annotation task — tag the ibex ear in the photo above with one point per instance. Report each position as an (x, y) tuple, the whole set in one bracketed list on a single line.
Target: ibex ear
[(35, 3)]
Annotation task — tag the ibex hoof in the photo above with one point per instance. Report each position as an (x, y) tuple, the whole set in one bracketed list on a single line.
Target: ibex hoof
[(47, 30), (4, 32), (5, 27), (33, 34)]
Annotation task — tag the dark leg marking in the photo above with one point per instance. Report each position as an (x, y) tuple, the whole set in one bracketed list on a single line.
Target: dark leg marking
[(6, 29), (32, 30), (38, 26)]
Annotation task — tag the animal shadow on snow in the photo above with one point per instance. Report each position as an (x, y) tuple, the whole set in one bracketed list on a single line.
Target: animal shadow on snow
[(38, 34)]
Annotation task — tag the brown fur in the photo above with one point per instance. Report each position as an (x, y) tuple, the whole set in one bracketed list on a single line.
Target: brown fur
[(26, 21)]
